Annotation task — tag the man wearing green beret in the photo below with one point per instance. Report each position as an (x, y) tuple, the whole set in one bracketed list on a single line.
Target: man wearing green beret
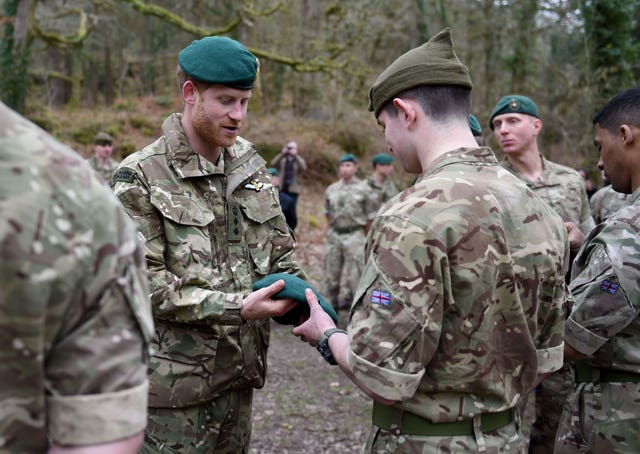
[(101, 161), (516, 123), (347, 206), (476, 129), (381, 186), (458, 313), (209, 213)]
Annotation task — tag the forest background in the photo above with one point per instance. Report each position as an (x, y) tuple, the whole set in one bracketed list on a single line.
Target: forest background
[(79, 66)]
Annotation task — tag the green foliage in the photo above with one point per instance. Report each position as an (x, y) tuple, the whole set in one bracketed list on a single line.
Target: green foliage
[(14, 62), (614, 49)]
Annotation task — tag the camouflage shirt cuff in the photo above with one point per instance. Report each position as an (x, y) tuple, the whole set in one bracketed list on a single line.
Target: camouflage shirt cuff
[(386, 383), (232, 306), (97, 418), (550, 359), (581, 339)]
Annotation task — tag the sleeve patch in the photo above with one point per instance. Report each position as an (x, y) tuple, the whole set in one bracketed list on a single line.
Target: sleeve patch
[(125, 174)]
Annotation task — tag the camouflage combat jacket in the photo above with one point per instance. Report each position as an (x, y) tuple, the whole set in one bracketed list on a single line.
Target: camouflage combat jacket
[(605, 321), (605, 202), (105, 172), (210, 232), (563, 188), (380, 194), (75, 318), (347, 205), (459, 307)]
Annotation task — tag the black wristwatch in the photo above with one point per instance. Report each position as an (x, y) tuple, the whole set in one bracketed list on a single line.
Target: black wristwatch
[(323, 345)]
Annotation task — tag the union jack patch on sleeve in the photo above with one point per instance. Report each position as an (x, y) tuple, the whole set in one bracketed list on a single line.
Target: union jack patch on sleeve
[(380, 297), (609, 287)]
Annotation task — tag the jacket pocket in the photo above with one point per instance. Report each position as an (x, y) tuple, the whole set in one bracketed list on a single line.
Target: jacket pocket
[(186, 228), (259, 210)]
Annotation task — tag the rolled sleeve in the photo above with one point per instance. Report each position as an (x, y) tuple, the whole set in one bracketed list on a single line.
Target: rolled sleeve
[(581, 339), (387, 383), (105, 417)]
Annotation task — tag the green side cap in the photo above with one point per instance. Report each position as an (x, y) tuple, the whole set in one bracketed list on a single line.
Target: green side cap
[(294, 288)]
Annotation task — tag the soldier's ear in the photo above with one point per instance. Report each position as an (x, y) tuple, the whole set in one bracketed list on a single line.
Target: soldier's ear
[(406, 110), (189, 92)]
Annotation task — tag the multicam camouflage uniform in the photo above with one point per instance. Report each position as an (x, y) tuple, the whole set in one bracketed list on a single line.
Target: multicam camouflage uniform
[(603, 416), (459, 307), (105, 172), (563, 188), (380, 194), (211, 231), (347, 207), (605, 202), (75, 320)]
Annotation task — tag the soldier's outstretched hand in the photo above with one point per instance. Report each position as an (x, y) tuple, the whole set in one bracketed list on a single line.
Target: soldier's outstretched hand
[(319, 321)]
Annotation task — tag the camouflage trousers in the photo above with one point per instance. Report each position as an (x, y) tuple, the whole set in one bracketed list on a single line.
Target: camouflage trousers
[(222, 425), (600, 418), (507, 439), (550, 396), (343, 263)]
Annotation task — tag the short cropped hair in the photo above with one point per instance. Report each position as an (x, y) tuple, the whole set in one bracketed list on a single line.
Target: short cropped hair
[(622, 109), (437, 101)]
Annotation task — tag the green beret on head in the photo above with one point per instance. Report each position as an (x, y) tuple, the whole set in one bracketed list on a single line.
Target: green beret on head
[(272, 171), (294, 288), (102, 137), (348, 157), (433, 63), (514, 104), (474, 124), (382, 158), (219, 60)]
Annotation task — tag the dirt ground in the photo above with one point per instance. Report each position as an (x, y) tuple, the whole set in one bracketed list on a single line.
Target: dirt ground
[(306, 405)]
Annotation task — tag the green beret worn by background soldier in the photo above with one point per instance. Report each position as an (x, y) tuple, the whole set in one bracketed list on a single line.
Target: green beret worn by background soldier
[(449, 327), (101, 161), (347, 205), (602, 414), (206, 206), (381, 186), (516, 123), (75, 319)]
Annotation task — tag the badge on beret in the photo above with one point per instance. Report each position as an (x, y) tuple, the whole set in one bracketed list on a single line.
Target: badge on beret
[(514, 105), (124, 174), (609, 287), (255, 185), (380, 297)]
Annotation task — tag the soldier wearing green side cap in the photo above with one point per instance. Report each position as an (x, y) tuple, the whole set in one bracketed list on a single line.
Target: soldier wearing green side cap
[(458, 312), (209, 213), (381, 186), (516, 123), (347, 205)]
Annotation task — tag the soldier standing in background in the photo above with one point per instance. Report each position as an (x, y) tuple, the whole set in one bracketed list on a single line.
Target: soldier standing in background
[(602, 414), (381, 186), (75, 319), (204, 203), (101, 160), (290, 165), (516, 123), (449, 326), (347, 206)]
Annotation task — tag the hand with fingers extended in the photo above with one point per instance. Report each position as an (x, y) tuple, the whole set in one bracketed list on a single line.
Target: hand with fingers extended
[(317, 323), (260, 305)]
